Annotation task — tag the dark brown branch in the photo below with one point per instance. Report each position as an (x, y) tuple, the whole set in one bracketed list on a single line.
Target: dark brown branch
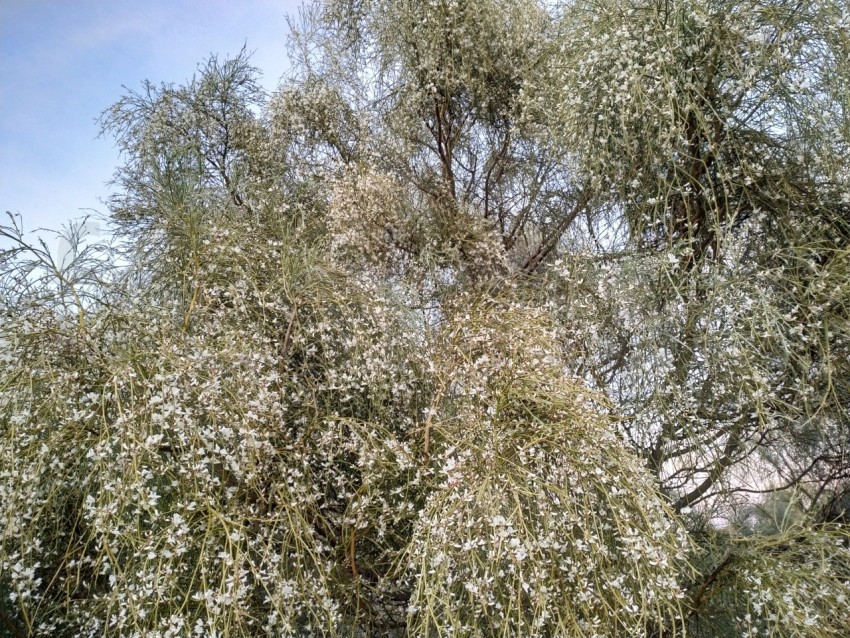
[(709, 580), (497, 162), (726, 459), (551, 242)]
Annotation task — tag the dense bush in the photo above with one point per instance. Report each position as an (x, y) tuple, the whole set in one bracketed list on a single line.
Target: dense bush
[(497, 319)]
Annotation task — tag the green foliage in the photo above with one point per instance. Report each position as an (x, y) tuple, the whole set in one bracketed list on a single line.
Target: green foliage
[(793, 583), (282, 459), (496, 319), (699, 115)]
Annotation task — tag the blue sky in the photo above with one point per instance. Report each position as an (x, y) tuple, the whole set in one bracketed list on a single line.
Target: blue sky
[(62, 62)]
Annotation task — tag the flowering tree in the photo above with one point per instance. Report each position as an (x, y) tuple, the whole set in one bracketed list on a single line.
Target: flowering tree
[(482, 324)]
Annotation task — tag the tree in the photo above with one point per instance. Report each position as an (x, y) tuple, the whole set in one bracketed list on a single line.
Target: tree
[(477, 326), (719, 131)]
